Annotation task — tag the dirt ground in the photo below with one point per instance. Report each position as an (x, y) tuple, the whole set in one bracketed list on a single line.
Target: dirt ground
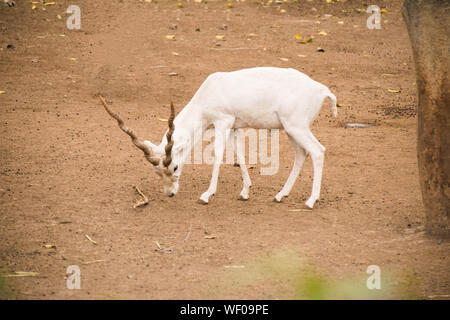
[(67, 171)]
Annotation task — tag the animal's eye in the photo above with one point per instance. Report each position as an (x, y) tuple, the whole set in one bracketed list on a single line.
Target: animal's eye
[(175, 168)]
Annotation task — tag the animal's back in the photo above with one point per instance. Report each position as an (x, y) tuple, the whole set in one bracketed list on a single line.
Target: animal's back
[(258, 97)]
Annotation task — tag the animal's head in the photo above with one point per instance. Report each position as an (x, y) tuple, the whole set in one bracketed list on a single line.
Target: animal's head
[(9, 3), (160, 156)]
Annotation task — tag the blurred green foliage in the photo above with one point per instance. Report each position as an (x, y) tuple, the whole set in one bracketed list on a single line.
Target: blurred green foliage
[(284, 275)]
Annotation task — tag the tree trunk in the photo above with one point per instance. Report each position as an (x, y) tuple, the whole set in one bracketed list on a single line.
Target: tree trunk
[(428, 23)]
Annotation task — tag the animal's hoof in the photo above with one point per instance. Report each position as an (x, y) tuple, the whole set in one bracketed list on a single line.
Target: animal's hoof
[(309, 204), (278, 198), (201, 201), (242, 198)]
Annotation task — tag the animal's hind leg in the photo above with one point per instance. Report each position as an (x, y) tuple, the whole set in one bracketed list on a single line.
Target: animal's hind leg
[(300, 156), (317, 152)]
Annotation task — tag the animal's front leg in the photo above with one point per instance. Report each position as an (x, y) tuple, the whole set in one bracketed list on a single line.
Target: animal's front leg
[(221, 133), (240, 155)]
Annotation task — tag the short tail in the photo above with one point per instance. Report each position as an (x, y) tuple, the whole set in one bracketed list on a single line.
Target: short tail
[(333, 103)]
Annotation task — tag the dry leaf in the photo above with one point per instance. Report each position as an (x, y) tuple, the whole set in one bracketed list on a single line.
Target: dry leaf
[(298, 37), (284, 59), (220, 37), (2, 92), (322, 33), (50, 246), (393, 90), (170, 37), (210, 237), (175, 53)]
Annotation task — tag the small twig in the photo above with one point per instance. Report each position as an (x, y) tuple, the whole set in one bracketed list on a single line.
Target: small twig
[(171, 248), (298, 210), (94, 261), (161, 248), (437, 296), (189, 232), (18, 274), (90, 239), (142, 202), (232, 49)]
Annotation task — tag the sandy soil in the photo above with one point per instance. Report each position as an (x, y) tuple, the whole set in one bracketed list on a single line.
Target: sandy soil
[(67, 171)]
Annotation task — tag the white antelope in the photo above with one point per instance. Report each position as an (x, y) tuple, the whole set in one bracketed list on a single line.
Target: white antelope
[(9, 3), (260, 98)]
